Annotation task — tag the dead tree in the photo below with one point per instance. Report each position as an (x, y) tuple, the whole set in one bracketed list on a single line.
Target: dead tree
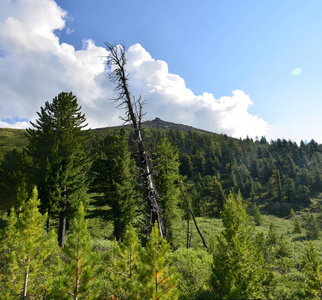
[(116, 61)]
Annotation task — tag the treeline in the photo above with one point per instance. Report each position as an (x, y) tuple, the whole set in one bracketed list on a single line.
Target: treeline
[(280, 170), (46, 251)]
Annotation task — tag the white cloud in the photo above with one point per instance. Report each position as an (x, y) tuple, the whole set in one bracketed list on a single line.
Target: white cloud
[(35, 67)]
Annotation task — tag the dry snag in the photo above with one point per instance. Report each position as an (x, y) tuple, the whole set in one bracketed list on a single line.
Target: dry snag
[(116, 62)]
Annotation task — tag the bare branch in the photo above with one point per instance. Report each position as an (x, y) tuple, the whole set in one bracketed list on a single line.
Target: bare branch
[(116, 62)]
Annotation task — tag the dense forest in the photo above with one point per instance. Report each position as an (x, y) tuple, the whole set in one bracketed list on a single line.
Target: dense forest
[(241, 217), (155, 210)]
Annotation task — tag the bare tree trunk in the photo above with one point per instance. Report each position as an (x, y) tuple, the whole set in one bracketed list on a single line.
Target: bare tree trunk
[(77, 281), (25, 287), (134, 114), (192, 215)]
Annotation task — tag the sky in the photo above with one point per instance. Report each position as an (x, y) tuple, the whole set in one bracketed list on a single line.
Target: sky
[(243, 68)]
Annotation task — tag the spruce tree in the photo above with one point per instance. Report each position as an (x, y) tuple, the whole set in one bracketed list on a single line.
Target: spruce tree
[(25, 249), (238, 266), (57, 145)]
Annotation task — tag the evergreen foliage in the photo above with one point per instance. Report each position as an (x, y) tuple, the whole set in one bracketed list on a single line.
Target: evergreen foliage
[(27, 251), (57, 147), (238, 266), (312, 227), (158, 278), (313, 271), (114, 180), (166, 179), (80, 265)]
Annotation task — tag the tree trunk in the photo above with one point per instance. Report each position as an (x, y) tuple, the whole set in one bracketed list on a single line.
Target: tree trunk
[(25, 287), (192, 215), (77, 281), (134, 115), (62, 226)]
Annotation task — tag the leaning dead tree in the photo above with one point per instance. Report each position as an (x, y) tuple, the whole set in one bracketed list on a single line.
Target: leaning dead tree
[(116, 61)]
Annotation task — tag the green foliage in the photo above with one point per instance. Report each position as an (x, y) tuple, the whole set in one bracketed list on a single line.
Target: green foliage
[(114, 180), (166, 178), (27, 252), (238, 266), (256, 215), (79, 265), (124, 261), (194, 266), (57, 147), (297, 226), (158, 279), (13, 183), (312, 269), (312, 227)]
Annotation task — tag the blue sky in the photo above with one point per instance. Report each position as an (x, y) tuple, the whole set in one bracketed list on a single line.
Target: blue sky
[(270, 52)]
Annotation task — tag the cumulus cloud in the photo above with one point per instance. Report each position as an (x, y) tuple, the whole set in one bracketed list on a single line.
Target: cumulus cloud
[(35, 66)]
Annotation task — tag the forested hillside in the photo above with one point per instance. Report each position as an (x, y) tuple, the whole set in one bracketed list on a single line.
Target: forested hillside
[(241, 218)]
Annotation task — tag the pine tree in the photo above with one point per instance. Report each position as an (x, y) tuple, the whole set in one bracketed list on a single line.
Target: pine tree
[(238, 267), (115, 181), (124, 274), (57, 146), (25, 251), (157, 278), (166, 178), (80, 265), (313, 271)]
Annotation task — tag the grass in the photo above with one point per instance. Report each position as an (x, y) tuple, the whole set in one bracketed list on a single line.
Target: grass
[(12, 138)]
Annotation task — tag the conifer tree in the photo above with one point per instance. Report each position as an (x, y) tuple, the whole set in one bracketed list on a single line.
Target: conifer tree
[(313, 270), (297, 228), (115, 182), (57, 146), (238, 267), (13, 183), (157, 278), (79, 264), (312, 227), (256, 215), (166, 178), (124, 274), (25, 251)]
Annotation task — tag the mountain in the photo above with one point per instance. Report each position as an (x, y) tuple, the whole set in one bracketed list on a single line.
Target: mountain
[(15, 138)]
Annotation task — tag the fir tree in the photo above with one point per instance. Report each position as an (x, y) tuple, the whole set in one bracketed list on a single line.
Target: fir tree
[(57, 146), (238, 267)]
